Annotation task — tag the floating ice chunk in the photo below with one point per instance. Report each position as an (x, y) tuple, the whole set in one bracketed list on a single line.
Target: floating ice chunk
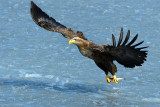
[(49, 76), (115, 88), (33, 76), (57, 79)]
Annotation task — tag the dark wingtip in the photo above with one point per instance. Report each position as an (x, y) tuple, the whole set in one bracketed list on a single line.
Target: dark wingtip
[(138, 44), (127, 38), (43, 20), (32, 4), (133, 40), (36, 12), (142, 47), (121, 30), (120, 37), (114, 40)]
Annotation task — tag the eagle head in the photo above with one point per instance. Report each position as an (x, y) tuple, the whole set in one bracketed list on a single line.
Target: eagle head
[(76, 40)]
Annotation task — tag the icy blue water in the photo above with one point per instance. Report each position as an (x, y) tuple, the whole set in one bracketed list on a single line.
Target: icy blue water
[(39, 68)]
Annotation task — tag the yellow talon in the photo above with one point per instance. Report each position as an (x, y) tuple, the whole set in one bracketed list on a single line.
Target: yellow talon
[(108, 79), (115, 79)]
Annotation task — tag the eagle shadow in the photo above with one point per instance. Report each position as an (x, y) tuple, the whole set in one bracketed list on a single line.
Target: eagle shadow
[(67, 87)]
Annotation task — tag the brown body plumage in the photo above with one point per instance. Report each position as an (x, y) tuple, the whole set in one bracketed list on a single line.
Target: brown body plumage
[(104, 55)]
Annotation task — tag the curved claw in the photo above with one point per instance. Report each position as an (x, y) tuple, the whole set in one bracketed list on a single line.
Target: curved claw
[(108, 79), (115, 79)]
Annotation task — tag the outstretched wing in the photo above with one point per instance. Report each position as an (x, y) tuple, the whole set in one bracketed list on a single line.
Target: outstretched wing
[(49, 23), (127, 54)]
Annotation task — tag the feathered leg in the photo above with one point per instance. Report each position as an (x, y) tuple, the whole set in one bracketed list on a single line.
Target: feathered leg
[(113, 70), (105, 69)]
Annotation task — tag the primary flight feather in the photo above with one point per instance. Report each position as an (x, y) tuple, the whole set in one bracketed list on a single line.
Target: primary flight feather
[(103, 55)]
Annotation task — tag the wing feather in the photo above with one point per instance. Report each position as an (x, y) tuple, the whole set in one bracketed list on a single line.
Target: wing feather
[(121, 37), (114, 41), (133, 40), (126, 39), (49, 23), (127, 55), (137, 44)]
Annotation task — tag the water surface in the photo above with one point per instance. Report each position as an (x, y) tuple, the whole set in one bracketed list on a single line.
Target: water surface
[(39, 68)]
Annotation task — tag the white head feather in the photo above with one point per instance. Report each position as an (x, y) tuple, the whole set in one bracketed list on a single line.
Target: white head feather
[(77, 38)]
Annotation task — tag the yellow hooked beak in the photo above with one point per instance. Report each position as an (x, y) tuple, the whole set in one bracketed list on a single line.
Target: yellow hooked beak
[(71, 41)]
